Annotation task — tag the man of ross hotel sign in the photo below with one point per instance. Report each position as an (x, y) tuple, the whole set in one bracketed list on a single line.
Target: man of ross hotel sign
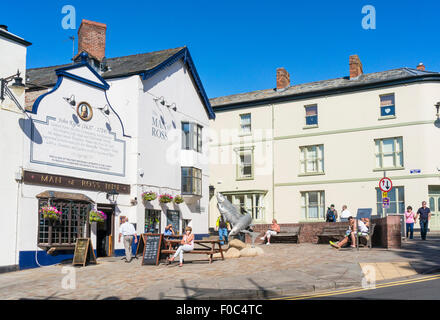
[(84, 134)]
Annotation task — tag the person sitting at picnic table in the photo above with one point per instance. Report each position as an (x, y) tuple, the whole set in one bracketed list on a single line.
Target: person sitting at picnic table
[(187, 245), (169, 231), (274, 230), (350, 233)]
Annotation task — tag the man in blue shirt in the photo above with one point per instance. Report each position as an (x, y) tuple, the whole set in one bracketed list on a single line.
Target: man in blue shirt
[(424, 215)]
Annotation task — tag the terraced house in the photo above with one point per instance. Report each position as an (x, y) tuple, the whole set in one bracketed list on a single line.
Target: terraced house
[(290, 152)]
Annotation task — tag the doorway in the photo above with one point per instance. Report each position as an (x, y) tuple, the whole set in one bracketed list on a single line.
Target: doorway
[(105, 232), (434, 205)]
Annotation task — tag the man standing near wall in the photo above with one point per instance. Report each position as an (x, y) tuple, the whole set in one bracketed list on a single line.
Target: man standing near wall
[(424, 214), (345, 213), (128, 232)]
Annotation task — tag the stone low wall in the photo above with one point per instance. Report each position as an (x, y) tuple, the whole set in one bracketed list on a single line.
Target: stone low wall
[(386, 233)]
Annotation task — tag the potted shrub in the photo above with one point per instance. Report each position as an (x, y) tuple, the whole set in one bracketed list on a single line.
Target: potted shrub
[(178, 199), (97, 216), (165, 198), (50, 213), (149, 196)]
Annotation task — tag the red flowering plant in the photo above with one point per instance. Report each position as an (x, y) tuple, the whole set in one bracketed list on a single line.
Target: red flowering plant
[(165, 198), (50, 213), (97, 216)]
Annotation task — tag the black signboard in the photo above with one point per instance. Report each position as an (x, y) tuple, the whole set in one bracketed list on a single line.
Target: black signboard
[(152, 243), (83, 253)]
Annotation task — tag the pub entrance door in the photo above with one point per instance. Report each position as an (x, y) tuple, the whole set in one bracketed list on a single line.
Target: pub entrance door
[(105, 232)]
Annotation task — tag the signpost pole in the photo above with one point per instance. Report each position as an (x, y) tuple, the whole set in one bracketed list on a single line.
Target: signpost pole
[(384, 207)]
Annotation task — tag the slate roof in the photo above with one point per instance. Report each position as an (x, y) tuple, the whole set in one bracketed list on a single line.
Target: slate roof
[(118, 67), (320, 87)]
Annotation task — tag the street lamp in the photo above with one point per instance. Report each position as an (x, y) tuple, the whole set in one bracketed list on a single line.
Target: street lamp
[(112, 196)]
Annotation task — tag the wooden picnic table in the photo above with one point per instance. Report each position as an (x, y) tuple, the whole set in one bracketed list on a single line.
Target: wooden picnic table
[(207, 247)]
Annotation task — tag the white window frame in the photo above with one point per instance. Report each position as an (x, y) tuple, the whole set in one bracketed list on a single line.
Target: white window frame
[(240, 165), (316, 159), (242, 125), (395, 154), (305, 206)]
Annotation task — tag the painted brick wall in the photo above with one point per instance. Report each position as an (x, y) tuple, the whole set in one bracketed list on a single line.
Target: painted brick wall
[(386, 234)]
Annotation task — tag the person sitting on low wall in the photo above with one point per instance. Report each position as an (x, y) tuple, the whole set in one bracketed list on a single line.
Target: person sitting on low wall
[(350, 233)]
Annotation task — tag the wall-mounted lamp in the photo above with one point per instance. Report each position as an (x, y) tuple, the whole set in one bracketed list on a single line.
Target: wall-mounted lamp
[(437, 106), (105, 109), (112, 196), (70, 100), (18, 83)]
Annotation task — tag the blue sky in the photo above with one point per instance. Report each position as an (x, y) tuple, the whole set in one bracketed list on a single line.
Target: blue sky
[(237, 45)]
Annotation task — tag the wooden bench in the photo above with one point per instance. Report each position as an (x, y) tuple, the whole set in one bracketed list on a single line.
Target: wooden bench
[(203, 248), (333, 232), (368, 237), (287, 235)]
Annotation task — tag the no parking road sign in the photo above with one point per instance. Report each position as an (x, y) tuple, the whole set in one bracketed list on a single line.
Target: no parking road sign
[(385, 184)]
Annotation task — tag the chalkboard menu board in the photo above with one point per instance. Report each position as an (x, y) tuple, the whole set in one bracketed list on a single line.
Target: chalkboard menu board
[(173, 218), (83, 252), (152, 243)]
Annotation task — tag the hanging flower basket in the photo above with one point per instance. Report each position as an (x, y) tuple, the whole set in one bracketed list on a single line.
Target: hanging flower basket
[(165, 198), (178, 199), (97, 216), (50, 213), (149, 196)]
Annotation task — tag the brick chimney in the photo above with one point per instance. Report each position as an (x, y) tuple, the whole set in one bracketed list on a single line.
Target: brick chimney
[(355, 66), (421, 66), (283, 79), (91, 38)]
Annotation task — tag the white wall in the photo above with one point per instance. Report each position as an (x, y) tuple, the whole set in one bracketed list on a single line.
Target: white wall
[(12, 57)]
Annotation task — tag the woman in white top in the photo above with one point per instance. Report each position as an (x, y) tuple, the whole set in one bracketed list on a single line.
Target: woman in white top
[(187, 245)]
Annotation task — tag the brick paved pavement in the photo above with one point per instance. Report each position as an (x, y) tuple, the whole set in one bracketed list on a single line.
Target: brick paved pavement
[(283, 269)]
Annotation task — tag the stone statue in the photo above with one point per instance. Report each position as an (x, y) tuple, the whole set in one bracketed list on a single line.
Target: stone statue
[(239, 222)]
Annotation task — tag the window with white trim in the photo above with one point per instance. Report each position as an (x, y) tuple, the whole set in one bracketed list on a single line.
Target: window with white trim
[(311, 115), (397, 201), (312, 159), (245, 167), (387, 105), (312, 205), (389, 153), (245, 123)]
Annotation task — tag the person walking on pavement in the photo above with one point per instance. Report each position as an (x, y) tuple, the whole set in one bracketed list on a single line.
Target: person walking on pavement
[(127, 231), (424, 215), (222, 226), (345, 214), (332, 214), (409, 217)]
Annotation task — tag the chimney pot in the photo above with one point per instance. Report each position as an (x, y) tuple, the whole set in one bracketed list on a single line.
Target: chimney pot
[(283, 79), (421, 66), (91, 38), (355, 66)]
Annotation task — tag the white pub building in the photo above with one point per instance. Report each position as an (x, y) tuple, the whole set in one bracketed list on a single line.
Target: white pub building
[(98, 134)]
